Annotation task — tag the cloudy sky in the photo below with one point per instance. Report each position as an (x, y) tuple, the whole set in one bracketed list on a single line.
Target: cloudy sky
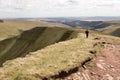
[(54, 8)]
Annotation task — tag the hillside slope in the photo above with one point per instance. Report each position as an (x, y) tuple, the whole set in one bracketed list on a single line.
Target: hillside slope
[(107, 27), (10, 28), (58, 60), (49, 62), (32, 40), (105, 66), (85, 24), (37, 53), (88, 24), (111, 30), (116, 32)]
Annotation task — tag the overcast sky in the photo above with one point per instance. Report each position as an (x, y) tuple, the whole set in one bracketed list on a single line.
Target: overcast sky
[(58, 8)]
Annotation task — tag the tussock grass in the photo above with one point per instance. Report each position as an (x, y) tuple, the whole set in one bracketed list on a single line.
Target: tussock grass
[(110, 39), (49, 61)]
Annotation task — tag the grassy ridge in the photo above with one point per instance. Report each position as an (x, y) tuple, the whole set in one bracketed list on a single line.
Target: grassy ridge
[(10, 28), (32, 40), (54, 59), (49, 61)]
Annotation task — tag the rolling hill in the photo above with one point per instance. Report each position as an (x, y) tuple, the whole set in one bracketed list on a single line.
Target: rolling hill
[(50, 61), (113, 30), (76, 22), (10, 28), (108, 27), (50, 53), (55, 61), (33, 40)]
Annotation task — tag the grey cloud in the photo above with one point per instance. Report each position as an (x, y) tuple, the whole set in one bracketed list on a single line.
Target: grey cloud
[(108, 5), (72, 1), (13, 4), (67, 4), (58, 7)]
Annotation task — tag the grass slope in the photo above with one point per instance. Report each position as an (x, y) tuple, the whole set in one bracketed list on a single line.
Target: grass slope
[(111, 30), (49, 61), (32, 40), (54, 59), (10, 28), (116, 32)]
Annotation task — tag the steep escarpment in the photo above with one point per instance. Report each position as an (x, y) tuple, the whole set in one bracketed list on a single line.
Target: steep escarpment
[(32, 40)]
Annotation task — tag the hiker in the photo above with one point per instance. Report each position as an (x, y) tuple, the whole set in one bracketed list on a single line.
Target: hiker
[(87, 33)]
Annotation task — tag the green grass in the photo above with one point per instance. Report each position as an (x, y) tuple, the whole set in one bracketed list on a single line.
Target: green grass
[(110, 39), (91, 64), (10, 28), (49, 61), (111, 30), (116, 32), (32, 40)]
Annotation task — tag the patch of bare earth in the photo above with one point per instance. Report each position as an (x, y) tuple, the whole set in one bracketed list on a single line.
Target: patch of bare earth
[(106, 66)]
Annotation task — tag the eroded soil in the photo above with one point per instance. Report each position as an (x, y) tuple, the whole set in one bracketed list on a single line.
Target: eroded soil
[(104, 67)]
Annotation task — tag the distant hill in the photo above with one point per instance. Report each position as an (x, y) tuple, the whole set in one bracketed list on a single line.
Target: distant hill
[(53, 62), (116, 32), (109, 26), (33, 40), (11, 28), (82, 18), (1, 21), (111, 30), (88, 24), (85, 22), (37, 50)]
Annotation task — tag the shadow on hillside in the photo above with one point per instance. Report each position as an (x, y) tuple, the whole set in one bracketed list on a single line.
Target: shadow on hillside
[(33, 40)]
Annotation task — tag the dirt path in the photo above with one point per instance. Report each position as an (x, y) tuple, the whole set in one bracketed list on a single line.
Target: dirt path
[(106, 66)]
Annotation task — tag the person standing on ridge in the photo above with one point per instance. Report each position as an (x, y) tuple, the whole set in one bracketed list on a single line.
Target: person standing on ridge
[(87, 33)]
